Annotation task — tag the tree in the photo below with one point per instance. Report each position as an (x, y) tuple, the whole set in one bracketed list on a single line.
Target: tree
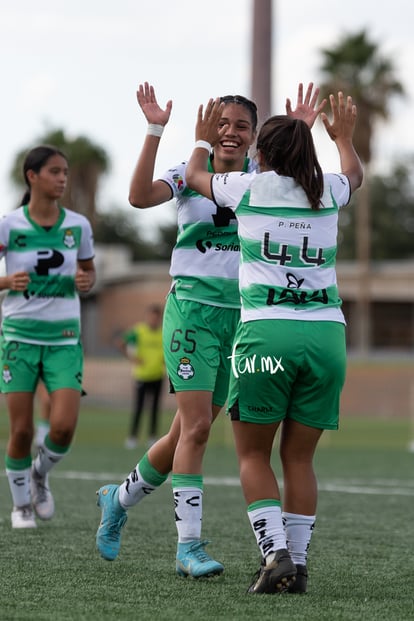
[(120, 227), (87, 162), (166, 239), (392, 201), (356, 67)]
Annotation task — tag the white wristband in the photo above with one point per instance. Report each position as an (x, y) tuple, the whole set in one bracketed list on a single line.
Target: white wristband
[(203, 144), (155, 130)]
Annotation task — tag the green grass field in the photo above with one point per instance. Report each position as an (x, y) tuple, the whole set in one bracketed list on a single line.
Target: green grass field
[(361, 562)]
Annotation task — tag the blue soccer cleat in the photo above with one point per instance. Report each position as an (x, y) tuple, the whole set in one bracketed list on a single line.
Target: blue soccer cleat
[(193, 561), (113, 519)]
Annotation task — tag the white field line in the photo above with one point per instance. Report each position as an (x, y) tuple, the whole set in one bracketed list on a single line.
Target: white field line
[(380, 487)]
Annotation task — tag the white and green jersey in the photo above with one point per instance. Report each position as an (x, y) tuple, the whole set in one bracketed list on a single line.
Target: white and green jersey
[(48, 311), (288, 250), (205, 259)]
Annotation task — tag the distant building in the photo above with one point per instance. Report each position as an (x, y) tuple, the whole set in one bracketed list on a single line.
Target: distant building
[(391, 295), (124, 289), (122, 292)]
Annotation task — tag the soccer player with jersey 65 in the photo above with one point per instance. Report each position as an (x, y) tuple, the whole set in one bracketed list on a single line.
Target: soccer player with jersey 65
[(49, 259), (200, 318)]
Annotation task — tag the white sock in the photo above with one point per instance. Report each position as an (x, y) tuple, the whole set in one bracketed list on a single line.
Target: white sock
[(188, 503), (42, 430), (46, 460), (298, 530), (267, 525), (19, 482), (134, 489)]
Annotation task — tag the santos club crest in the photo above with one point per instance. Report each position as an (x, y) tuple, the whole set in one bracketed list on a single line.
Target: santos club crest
[(185, 369)]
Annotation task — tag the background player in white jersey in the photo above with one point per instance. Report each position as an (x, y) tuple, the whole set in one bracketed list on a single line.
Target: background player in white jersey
[(49, 259), (288, 359), (200, 320)]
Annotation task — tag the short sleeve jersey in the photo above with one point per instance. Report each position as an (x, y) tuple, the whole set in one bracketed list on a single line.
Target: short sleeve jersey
[(205, 259), (288, 250), (48, 311), (147, 343)]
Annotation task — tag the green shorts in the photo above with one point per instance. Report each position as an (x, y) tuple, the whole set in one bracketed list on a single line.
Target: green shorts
[(23, 364), (197, 341), (288, 369)]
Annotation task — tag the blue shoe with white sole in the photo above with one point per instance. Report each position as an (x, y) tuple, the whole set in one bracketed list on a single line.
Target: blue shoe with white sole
[(113, 519), (193, 561)]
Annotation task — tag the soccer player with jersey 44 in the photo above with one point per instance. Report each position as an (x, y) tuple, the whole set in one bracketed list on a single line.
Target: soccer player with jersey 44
[(289, 359), (49, 259)]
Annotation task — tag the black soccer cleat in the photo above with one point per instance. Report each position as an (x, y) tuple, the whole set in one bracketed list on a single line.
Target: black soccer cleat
[(300, 584), (276, 577)]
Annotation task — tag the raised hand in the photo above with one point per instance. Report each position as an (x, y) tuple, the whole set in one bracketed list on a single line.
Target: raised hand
[(208, 123), (344, 114), (305, 109), (149, 105)]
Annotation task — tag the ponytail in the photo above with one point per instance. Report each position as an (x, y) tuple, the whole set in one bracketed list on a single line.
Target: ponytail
[(25, 198)]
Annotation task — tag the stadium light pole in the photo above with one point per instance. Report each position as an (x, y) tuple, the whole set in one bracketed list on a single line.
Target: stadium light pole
[(261, 67)]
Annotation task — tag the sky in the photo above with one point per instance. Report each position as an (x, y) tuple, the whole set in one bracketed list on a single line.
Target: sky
[(77, 65)]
